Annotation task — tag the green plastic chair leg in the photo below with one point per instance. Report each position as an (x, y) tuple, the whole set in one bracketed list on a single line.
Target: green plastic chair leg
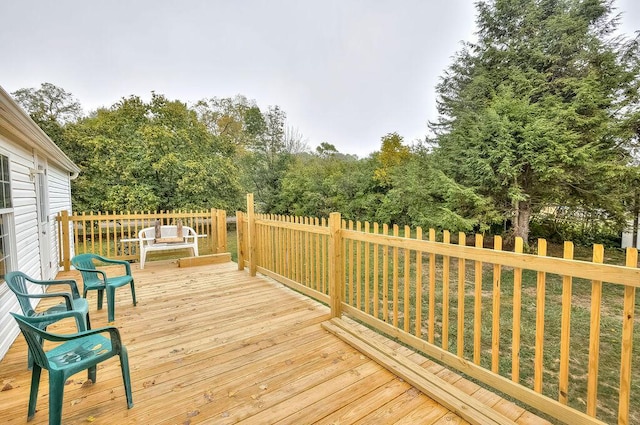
[(91, 374), (124, 366), (100, 296), (133, 293), (33, 395), (56, 394), (111, 304)]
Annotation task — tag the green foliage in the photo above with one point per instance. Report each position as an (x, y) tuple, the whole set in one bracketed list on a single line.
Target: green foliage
[(392, 154), (327, 181), (528, 113), (150, 156), (51, 107), (422, 195)]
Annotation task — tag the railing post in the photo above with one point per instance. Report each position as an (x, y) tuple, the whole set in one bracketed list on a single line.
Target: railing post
[(222, 231), (240, 245), (336, 280), (251, 230), (214, 229), (66, 241)]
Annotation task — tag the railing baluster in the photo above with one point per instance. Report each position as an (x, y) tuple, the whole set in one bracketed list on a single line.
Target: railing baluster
[(358, 268), (396, 233), (517, 314), (385, 277), (594, 336), (565, 332), (628, 312), (432, 290), (477, 305), (495, 326), (446, 238), (367, 279), (462, 239), (407, 282), (418, 332), (540, 305), (376, 277)]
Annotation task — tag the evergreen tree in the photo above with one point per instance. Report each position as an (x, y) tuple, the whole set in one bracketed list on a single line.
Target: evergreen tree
[(529, 115)]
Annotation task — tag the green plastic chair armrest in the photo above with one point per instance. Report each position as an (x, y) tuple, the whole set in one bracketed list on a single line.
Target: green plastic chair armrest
[(49, 317), (73, 285), (114, 261), (65, 295), (114, 334), (104, 275)]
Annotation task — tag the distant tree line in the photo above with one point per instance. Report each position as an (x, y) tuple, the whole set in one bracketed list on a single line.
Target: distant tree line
[(540, 113)]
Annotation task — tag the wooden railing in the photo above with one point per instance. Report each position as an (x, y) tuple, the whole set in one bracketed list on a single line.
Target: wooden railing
[(555, 333), (102, 233)]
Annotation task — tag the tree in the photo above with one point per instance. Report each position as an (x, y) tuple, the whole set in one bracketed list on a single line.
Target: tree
[(51, 107), (420, 194), (528, 114), (392, 154), (327, 181), (271, 151), (151, 156)]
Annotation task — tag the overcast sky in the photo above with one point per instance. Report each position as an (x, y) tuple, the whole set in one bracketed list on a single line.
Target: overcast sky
[(346, 72)]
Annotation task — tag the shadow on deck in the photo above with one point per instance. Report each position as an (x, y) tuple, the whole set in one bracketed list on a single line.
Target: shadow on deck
[(210, 344)]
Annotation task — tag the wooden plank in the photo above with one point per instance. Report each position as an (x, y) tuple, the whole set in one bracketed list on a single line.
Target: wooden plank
[(396, 270), (526, 395), (436, 388), (541, 292), (517, 314), (367, 271), (594, 335), (418, 306), (376, 271), (462, 239), (565, 331), (204, 259), (628, 313), (620, 275), (385, 277), (477, 305), (359, 268), (495, 326), (446, 239), (407, 284), (432, 290), (213, 344), (378, 397)]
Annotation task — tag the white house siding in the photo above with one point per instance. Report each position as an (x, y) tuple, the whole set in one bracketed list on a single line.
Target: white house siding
[(26, 228), (26, 145), (26, 235), (59, 188)]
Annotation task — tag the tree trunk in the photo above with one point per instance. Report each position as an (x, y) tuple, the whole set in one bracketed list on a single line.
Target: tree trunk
[(521, 220)]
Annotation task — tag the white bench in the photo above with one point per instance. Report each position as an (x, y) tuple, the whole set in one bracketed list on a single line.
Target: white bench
[(169, 240)]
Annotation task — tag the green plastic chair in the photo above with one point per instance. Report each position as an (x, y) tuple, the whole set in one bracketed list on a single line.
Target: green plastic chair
[(95, 279), (80, 351), (72, 306)]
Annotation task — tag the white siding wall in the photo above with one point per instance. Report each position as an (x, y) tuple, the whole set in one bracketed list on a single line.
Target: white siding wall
[(26, 230), (59, 200)]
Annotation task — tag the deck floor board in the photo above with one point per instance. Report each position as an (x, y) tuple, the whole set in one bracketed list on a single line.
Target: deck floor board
[(210, 344)]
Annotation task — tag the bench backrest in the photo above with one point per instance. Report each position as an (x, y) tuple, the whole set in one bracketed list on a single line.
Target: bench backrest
[(167, 231)]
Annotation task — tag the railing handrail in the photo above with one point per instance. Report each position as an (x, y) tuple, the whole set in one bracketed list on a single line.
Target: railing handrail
[(292, 249), (105, 230)]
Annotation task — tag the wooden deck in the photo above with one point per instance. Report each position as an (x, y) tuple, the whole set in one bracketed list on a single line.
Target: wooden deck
[(210, 344)]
